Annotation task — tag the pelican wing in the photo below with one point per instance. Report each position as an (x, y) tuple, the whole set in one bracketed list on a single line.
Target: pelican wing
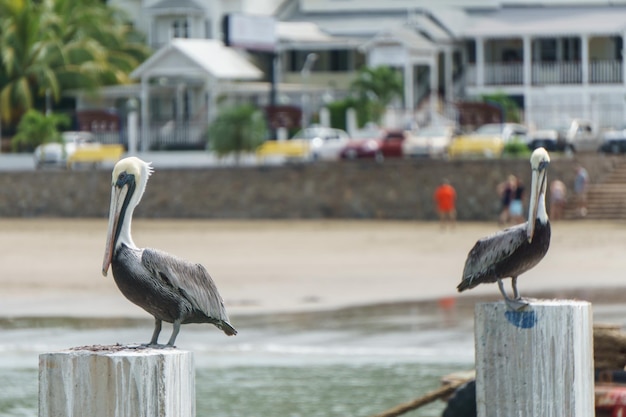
[(192, 280), (489, 253)]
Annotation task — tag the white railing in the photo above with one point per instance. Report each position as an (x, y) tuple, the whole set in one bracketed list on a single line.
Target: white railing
[(605, 72), (504, 74), (170, 136), (546, 73)]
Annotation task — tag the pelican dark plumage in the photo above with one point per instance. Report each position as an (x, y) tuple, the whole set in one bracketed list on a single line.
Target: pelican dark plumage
[(513, 251), (171, 289)]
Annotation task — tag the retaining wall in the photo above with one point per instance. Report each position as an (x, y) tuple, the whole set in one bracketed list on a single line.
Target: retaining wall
[(393, 189)]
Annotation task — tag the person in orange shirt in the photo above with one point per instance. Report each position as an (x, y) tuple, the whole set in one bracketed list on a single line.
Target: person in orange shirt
[(445, 200)]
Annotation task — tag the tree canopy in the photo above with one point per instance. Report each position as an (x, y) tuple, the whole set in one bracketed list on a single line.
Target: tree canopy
[(377, 87), (49, 46), (237, 129)]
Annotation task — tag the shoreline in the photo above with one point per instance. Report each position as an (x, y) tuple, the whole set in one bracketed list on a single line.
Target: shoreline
[(51, 266)]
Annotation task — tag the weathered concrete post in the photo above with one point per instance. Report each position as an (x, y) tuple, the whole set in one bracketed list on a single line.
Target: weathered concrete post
[(114, 381), (537, 362)]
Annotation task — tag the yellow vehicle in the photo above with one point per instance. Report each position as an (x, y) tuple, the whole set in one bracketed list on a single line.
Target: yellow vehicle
[(95, 153), (293, 149), (487, 141)]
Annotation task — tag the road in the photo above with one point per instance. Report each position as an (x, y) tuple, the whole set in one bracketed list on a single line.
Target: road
[(162, 159)]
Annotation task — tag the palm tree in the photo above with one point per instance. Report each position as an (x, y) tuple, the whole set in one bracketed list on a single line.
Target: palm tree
[(48, 46), (377, 87), (25, 57), (237, 129)]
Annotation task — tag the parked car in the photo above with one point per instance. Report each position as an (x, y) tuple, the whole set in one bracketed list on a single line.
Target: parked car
[(552, 139), (577, 136), (488, 140), (431, 141), (313, 143), (613, 141), (324, 142), (57, 154), (374, 143)]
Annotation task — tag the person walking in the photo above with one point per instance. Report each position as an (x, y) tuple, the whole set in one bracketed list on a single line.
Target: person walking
[(581, 185), (445, 201)]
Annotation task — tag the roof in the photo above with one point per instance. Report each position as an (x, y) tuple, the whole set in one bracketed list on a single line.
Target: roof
[(198, 58), (547, 21), (405, 36), (308, 35), (367, 23), (176, 5)]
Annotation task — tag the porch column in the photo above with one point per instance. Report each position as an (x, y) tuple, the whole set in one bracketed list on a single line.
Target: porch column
[(584, 58), (624, 59), (480, 62), (180, 96), (212, 94), (145, 108), (527, 76), (448, 80), (409, 87), (624, 74), (434, 83)]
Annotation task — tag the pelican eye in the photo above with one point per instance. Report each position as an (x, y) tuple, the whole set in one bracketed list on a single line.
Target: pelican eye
[(123, 178), (543, 164)]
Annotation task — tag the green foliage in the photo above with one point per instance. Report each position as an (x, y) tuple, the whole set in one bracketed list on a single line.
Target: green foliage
[(237, 129), (36, 128), (375, 88), (516, 148), (339, 108), (56, 45), (509, 106)]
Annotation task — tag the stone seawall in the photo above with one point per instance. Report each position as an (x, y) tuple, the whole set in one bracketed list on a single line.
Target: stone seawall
[(399, 189)]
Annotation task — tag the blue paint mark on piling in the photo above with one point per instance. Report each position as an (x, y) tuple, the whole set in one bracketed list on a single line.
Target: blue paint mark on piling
[(521, 319)]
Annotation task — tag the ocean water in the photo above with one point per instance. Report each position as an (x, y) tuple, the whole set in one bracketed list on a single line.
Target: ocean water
[(352, 362)]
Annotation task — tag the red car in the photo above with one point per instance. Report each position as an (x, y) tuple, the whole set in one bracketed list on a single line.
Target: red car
[(374, 143)]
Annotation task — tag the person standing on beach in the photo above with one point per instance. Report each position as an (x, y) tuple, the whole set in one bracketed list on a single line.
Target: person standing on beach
[(516, 208), (558, 198), (445, 201), (506, 191), (581, 184)]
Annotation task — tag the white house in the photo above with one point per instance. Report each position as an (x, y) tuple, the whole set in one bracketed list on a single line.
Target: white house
[(557, 59)]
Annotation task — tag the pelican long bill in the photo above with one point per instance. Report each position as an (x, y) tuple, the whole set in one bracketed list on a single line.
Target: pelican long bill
[(118, 195)]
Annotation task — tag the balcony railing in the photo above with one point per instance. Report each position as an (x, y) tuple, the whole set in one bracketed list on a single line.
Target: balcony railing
[(547, 73), (605, 72)]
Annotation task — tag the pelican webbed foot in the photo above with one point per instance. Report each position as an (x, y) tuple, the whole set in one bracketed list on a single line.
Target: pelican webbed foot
[(517, 303)]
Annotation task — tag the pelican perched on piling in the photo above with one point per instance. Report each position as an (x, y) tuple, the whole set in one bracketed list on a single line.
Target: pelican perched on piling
[(513, 251), (169, 288)]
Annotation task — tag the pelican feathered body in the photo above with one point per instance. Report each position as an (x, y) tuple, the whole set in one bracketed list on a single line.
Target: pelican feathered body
[(169, 288), (513, 251)]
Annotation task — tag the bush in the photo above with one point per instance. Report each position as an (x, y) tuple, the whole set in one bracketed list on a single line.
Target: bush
[(237, 129), (36, 128), (516, 148)]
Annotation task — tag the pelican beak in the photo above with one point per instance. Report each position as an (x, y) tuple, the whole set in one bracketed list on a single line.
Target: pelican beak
[(118, 196), (537, 196)]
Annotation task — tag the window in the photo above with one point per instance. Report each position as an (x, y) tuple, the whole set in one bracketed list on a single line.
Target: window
[(548, 50), (180, 28)]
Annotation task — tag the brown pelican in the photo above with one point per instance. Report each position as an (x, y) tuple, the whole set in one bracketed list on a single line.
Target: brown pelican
[(513, 251), (169, 288)]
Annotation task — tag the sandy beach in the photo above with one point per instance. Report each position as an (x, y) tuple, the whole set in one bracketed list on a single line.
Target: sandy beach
[(51, 267)]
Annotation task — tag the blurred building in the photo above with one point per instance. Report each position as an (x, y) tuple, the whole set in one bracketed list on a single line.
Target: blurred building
[(558, 60)]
